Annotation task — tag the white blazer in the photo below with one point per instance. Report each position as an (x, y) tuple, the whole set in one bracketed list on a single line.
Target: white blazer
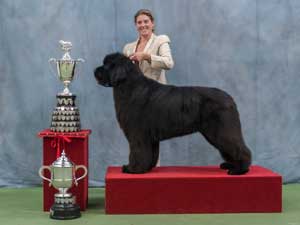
[(161, 59)]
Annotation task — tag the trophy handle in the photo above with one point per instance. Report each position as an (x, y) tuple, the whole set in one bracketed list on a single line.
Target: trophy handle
[(51, 61), (42, 176), (85, 173), (80, 60)]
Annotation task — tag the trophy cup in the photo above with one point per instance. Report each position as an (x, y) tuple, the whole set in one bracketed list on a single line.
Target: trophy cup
[(65, 117), (62, 178)]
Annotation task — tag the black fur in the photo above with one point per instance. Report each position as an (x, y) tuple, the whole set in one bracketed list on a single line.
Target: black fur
[(149, 112)]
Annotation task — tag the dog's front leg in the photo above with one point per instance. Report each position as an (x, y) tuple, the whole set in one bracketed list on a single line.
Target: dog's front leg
[(140, 157)]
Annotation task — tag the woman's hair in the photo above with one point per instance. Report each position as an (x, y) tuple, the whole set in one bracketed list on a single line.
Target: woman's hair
[(146, 12)]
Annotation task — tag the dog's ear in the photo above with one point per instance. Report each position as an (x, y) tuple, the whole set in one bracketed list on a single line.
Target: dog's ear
[(118, 75)]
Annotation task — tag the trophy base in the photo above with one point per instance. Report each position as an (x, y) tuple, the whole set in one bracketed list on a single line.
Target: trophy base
[(64, 207), (64, 211)]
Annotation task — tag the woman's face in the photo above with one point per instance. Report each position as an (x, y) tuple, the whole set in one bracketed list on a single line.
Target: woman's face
[(144, 25)]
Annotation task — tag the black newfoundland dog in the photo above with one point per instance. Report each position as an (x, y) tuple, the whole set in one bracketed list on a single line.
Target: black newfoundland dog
[(149, 112)]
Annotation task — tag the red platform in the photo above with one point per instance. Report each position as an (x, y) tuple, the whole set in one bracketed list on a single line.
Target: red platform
[(76, 148), (192, 190)]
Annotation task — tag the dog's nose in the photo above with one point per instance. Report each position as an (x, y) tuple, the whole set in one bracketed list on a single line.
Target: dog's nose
[(97, 74), (96, 71)]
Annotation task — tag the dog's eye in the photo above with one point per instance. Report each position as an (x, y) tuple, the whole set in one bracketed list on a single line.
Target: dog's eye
[(106, 67), (110, 66)]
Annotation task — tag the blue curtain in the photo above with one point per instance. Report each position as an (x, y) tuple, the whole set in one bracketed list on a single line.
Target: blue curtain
[(249, 48)]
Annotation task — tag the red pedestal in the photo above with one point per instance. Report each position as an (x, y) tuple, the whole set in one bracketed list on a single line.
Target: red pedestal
[(76, 148), (192, 190)]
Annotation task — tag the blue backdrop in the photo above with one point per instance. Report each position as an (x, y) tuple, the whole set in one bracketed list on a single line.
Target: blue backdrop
[(249, 48)]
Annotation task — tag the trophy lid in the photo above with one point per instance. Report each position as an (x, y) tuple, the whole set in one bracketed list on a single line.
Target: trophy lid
[(63, 161)]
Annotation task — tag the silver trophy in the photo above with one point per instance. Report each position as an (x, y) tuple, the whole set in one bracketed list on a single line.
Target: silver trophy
[(62, 178), (65, 117), (65, 66)]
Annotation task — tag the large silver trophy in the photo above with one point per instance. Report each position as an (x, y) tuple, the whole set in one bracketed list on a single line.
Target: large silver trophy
[(62, 178), (65, 117)]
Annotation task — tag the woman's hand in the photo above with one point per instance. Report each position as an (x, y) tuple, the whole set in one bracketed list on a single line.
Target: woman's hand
[(140, 56)]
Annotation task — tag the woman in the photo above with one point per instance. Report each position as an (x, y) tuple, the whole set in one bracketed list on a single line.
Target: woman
[(151, 52)]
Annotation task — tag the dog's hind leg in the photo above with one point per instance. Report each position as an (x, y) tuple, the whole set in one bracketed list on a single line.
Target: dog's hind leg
[(209, 129), (233, 142), (228, 160), (228, 164), (224, 132), (236, 155), (140, 157), (239, 155)]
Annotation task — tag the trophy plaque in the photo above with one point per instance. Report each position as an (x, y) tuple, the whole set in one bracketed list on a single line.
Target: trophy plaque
[(62, 178), (65, 117)]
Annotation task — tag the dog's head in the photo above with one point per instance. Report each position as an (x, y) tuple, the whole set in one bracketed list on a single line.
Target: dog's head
[(115, 70)]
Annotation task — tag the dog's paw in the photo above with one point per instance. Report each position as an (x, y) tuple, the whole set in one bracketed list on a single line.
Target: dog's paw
[(128, 169), (125, 169), (226, 166), (237, 172)]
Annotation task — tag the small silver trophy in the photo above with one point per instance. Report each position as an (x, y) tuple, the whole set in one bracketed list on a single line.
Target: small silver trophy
[(65, 117), (62, 178)]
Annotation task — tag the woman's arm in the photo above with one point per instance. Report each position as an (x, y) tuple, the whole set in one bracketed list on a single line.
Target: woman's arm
[(164, 58)]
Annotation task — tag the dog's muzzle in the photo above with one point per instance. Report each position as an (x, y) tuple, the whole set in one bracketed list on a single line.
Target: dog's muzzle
[(100, 77)]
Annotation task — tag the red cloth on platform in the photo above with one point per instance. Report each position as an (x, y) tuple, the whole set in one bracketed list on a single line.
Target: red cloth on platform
[(206, 189)]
